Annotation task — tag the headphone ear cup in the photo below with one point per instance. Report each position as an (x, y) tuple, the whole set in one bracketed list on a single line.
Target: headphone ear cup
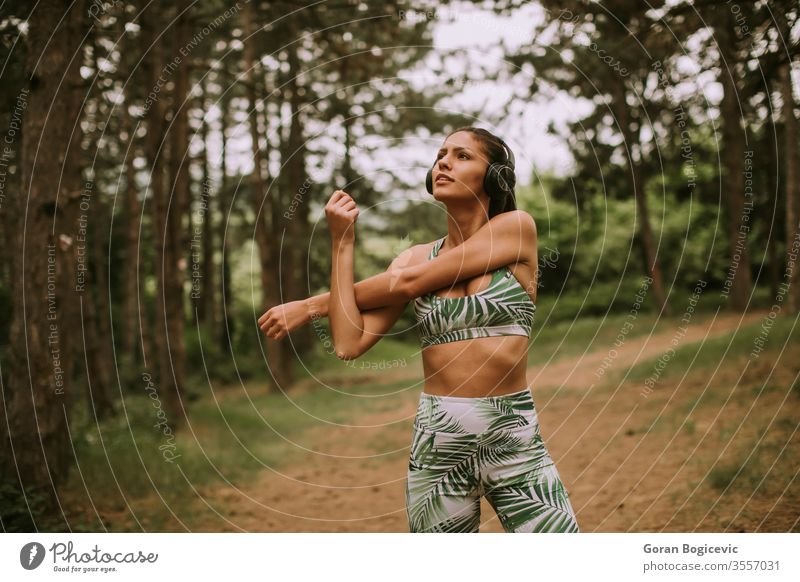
[(500, 180), (429, 181), (506, 179), (491, 183)]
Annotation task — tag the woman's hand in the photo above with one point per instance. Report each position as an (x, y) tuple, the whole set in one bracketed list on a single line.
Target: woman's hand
[(342, 213), (281, 319)]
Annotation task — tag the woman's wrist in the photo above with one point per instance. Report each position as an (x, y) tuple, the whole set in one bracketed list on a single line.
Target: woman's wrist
[(317, 306), (343, 243)]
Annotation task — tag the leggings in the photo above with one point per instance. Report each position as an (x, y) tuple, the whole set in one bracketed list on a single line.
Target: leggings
[(463, 448)]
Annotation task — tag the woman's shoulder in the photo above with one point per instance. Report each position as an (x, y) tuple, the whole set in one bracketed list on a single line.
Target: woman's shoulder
[(516, 216), (415, 254)]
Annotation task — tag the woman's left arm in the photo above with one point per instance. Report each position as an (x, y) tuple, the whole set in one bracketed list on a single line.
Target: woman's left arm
[(347, 324), (509, 237)]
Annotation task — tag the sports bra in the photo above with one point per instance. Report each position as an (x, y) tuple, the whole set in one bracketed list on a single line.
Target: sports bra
[(503, 308)]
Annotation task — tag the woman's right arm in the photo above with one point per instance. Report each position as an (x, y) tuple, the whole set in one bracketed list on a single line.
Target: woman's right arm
[(379, 291)]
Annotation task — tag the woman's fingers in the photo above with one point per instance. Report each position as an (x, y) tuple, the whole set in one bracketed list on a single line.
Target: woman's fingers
[(267, 323), (341, 198), (272, 328), (336, 196)]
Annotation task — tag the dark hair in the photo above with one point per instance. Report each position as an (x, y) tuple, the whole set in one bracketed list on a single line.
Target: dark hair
[(495, 153)]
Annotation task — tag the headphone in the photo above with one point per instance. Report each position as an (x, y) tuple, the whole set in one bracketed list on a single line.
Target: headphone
[(499, 181)]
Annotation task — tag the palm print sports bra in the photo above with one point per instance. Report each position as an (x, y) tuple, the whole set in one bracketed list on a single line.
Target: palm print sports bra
[(503, 308)]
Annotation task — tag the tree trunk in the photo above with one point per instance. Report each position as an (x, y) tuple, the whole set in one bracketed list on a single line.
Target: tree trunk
[(645, 231), (226, 328), (168, 343), (298, 190), (173, 268), (95, 313), (207, 306), (35, 452), (98, 373), (773, 197), (95, 303), (792, 190), (738, 283), (269, 280), (132, 311)]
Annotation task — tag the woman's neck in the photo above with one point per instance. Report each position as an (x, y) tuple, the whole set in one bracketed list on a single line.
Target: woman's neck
[(463, 224)]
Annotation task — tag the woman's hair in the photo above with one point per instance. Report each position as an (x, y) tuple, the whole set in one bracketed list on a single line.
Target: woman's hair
[(495, 153)]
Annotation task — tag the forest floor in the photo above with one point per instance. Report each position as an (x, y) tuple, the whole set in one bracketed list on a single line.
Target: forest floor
[(712, 447)]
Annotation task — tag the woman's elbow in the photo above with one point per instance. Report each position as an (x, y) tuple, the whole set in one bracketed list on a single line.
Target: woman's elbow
[(406, 285), (346, 354)]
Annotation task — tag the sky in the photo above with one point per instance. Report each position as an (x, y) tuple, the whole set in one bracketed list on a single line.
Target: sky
[(472, 30), (478, 34)]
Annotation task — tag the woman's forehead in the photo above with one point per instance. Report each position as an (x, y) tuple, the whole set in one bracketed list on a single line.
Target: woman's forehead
[(463, 139)]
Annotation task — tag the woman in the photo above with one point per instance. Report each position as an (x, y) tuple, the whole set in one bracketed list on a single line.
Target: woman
[(476, 430)]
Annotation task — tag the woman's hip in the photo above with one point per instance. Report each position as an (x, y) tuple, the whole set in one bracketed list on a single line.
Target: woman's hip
[(478, 415)]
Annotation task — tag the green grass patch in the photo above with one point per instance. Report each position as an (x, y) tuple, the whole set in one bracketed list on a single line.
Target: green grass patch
[(764, 468), (722, 350), (565, 339)]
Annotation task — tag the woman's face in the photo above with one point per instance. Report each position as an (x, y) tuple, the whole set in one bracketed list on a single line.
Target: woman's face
[(463, 161)]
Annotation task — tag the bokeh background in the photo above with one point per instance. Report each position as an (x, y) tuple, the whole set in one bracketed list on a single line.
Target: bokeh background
[(163, 170)]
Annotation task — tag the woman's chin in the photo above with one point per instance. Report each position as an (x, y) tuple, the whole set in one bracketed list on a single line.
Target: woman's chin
[(451, 195)]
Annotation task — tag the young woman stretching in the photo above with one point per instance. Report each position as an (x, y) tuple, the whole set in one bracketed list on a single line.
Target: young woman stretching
[(476, 430)]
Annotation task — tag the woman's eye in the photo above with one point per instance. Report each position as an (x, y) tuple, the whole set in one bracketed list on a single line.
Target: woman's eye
[(466, 156)]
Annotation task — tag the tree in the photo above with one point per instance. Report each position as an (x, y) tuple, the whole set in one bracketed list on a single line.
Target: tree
[(605, 47), (35, 452)]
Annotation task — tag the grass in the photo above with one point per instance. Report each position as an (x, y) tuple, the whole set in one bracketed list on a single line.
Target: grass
[(757, 467), (725, 349), (119, 462), (565, 339), (703, 370)]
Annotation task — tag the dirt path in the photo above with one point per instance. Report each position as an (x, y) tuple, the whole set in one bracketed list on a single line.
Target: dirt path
[(631, 462)]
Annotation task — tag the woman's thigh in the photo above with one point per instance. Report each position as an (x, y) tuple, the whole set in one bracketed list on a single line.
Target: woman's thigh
[(534, 502), (442, 490)]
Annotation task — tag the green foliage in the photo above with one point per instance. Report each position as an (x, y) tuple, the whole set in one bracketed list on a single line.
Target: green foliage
[(689, 247), (24, 510), (590, 248)]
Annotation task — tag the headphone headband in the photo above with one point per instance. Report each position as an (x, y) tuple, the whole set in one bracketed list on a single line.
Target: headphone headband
[(509, 153)]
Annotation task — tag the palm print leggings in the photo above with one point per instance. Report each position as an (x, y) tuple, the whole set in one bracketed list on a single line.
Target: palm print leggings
[(463, 448)]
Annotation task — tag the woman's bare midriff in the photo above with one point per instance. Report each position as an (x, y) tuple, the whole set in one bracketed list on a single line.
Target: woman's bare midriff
[(487, 366)]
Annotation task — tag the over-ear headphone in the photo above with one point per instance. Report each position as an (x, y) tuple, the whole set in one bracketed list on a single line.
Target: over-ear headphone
[(499, 180)]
